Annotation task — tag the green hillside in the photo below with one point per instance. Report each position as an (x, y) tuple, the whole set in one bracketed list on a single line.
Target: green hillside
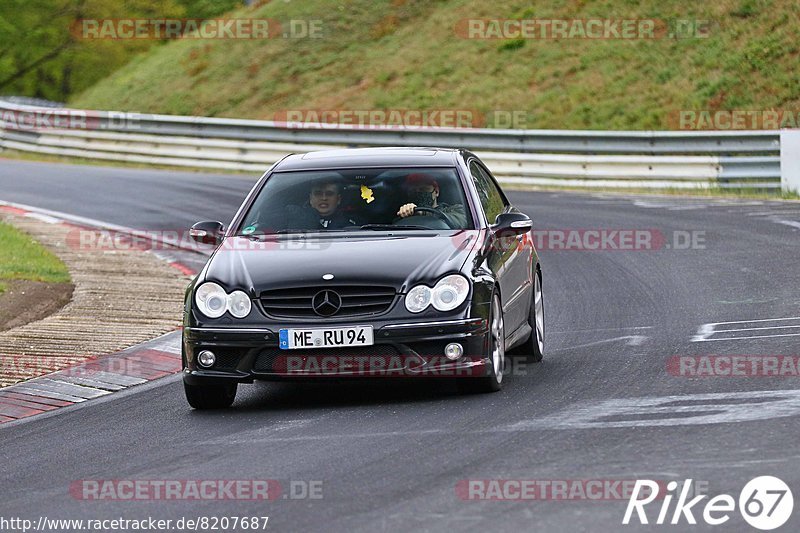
[(406, 55)]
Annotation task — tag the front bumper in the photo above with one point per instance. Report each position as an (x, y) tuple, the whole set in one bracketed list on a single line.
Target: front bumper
[(402, 349)]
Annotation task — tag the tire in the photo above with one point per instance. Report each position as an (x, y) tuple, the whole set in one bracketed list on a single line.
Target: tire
[(533, 347), (493, 381), (210, 397)]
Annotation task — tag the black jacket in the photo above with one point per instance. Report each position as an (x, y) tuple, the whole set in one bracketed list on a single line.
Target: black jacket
[(307, 218)]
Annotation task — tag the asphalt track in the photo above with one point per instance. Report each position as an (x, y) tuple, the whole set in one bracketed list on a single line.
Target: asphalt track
[(390, 455)]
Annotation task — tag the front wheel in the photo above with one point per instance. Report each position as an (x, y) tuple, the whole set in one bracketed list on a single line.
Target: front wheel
[(210, 396), (533, 348), (493, 381)]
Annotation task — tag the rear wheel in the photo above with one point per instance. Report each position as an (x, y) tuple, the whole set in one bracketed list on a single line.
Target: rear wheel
[(210, 396), (493, 381)]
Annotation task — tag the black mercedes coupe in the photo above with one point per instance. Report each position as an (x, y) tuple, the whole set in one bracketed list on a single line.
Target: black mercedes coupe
[(364, 263)]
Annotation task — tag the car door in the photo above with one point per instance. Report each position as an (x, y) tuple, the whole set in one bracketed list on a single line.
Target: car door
[(508, 257)]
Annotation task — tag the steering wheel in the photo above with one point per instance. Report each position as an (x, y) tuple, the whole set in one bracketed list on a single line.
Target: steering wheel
[(444, 217)]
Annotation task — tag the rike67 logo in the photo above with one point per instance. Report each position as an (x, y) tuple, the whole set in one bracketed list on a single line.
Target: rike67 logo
[(765, 503)]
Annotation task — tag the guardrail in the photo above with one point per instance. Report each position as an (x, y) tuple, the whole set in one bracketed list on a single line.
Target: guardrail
[(536, 157)]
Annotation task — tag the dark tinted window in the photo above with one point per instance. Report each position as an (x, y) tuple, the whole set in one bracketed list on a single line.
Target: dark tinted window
[(491, 198), (346, 199)]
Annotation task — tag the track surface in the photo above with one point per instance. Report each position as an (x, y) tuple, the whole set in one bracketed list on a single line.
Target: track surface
[(390, 457)]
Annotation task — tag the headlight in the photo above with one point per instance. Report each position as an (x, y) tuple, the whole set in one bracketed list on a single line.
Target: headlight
[(213, 301), (450, 292), (418, 299), (239, 304)]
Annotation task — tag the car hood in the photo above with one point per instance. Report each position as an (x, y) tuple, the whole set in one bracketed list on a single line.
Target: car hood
[(286, 261)]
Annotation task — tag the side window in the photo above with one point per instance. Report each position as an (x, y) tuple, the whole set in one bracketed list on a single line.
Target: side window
[(490, 196)]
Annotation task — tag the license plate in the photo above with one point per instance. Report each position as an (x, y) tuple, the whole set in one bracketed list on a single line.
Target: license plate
[(295, 339)]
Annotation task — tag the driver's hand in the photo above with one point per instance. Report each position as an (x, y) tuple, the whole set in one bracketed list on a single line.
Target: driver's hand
[(406, 210)]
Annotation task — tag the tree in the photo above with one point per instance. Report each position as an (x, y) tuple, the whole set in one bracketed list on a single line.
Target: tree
[(42, 55)]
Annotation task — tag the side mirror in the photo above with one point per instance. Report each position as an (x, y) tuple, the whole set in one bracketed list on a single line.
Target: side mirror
[(208, 232), (507, 224)]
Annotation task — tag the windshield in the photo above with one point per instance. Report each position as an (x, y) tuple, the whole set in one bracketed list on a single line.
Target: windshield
[(394, 199)]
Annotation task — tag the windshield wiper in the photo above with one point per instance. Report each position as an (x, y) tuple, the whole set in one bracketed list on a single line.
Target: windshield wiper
[(303, 232), (391, 227)]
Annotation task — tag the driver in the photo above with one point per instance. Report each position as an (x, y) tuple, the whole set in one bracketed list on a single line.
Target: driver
[(422, 190)]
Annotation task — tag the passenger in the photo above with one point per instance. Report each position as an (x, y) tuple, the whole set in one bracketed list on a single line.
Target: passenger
[(322, 210)]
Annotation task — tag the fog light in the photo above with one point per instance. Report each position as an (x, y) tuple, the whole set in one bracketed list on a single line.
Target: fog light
[(453, 351), (206, 358)]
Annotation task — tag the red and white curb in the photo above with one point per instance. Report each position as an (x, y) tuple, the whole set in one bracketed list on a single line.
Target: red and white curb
[(101, 376)]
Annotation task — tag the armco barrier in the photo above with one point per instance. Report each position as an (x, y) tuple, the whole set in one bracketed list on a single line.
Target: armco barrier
[(675, 159)]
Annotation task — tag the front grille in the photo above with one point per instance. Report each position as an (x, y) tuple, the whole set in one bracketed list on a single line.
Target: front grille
[(275, 359), (356, 300)]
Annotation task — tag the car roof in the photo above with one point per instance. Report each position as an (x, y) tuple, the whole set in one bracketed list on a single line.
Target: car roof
[(370, 157)]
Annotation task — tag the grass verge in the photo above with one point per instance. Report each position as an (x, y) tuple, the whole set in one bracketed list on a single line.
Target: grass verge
[(22, 258)]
